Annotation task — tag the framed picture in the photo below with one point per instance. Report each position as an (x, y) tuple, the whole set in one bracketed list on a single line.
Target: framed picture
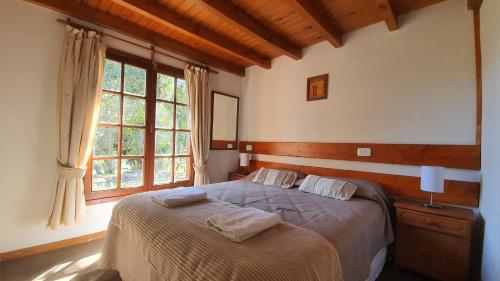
[(317, 87)]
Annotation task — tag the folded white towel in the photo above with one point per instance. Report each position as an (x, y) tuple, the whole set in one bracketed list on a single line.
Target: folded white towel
[(179, 196), (242, 223)]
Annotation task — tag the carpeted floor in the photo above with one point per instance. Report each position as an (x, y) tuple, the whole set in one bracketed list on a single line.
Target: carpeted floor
[(72, 263), (79, 263)]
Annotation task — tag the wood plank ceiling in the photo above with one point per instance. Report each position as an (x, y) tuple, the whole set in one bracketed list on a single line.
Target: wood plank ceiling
[(234, 34)]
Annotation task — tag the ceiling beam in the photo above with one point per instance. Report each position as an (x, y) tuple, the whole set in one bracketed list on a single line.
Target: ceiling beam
[(474, 4), (240, 18), (315, 16), (174, 20), (86, 13), (390, 14)]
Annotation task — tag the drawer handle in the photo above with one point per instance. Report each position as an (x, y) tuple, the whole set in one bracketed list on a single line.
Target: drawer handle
[(432, 223)]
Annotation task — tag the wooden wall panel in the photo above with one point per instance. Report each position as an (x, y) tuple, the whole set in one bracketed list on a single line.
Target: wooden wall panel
[(223, 145), (449, 156), (456, 192)]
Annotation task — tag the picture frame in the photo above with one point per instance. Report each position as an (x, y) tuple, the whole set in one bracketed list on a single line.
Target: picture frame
[(317, 87)]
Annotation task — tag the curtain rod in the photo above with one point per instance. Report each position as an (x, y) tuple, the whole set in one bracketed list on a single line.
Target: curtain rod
[(69, 22)]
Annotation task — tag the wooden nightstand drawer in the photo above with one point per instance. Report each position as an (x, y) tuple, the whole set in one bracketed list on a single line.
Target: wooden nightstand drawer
[(434, 242), (438, 255), (442, 224)]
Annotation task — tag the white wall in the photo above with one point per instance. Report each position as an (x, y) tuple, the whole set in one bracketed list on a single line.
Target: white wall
[(29, 60), (490, 190), (413, 85)]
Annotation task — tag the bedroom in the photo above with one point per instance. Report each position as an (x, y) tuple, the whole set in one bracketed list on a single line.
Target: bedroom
[(410, 84)]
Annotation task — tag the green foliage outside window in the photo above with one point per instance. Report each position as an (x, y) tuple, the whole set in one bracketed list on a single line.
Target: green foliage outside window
[(135, 81), (110, 109), (132, 173), (132, 142), (104, 174), (181, 165), (164, 115), (165, 87), (112, 76), (163, 143), (181, 93), (162, 170), (106, 141), (182, 143), (134, 111), (182, 117)]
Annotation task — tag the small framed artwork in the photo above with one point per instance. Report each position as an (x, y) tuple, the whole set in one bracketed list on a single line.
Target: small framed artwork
[(317, 87)]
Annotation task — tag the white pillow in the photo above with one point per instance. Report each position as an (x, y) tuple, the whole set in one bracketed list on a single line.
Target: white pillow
[(280, 178), (298, 182), (328, 187)]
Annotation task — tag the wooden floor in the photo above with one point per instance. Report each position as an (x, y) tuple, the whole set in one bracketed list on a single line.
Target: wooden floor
[(80, 263)]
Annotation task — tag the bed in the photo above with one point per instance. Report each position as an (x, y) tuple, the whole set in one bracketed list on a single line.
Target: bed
[(321, 239)]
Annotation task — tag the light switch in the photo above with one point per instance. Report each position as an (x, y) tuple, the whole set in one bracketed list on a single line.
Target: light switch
[(364, 152), (249, 147), (229, 145)]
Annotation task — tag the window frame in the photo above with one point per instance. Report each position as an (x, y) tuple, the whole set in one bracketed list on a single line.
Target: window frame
[(96, 197)]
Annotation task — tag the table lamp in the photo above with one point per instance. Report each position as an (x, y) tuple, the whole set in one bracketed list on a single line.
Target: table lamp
[(432, 180), (244, 161)]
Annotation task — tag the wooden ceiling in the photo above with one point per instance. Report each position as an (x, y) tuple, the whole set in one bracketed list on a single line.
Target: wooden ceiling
[(234, 34)]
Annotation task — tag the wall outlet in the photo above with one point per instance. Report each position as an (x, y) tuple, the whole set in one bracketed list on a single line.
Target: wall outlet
[(229, 145), (249, 147), (364, 152)]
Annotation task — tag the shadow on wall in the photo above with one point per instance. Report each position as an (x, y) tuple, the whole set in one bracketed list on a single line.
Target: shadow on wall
[(477, 248), (221, 162)]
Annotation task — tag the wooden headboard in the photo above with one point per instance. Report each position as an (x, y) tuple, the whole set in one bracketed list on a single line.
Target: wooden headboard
[(456, 192), (452, 156)]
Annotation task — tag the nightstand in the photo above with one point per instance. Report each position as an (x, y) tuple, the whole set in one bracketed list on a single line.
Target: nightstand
[(233, 176), (434, 242)]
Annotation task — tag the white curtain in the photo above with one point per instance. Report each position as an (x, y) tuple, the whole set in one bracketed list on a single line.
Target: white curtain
[(81, 72), (199, 112)]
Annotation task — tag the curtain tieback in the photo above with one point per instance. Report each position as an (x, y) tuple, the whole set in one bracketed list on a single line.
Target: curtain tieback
[(200, 168), (76, 173)]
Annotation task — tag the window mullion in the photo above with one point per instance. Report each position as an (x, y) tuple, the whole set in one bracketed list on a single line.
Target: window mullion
[(148, 173), (174, 131), (120, 135)]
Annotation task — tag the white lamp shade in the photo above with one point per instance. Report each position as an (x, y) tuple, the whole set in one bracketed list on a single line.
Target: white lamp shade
[(432, 179), (244, 159)]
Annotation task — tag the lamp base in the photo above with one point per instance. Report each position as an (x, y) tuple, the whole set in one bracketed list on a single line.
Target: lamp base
[(244, 170), (431, 205)]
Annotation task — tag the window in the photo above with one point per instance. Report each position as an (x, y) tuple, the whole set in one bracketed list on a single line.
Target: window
[(142, 139), (171, 151)]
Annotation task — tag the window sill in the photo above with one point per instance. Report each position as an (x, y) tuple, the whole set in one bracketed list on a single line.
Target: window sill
[(112, 198)]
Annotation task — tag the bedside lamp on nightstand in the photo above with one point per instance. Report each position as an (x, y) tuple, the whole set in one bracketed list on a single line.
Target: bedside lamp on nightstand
[(432, 180), (244, 161)]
